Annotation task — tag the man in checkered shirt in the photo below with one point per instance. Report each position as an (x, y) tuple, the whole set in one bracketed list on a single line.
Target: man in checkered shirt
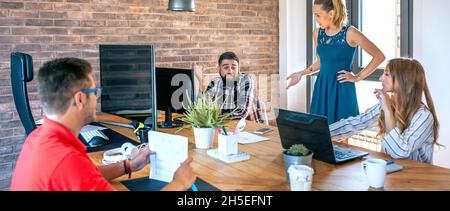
[(236, 90)]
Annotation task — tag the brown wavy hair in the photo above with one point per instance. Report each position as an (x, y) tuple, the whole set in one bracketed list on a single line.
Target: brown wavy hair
[(410, 86), (340, 11)]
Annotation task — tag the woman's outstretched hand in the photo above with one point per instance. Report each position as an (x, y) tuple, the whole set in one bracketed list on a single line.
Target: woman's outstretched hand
[(295, 79)]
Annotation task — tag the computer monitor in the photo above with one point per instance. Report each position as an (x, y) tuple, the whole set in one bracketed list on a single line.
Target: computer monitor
[(127, 77), (174, 91)]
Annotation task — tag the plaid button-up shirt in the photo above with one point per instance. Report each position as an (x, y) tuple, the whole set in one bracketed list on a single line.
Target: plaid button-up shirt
[(240, 94)]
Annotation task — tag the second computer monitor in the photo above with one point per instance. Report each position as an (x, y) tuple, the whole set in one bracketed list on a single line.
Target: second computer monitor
[(127, 76), (174, 91)]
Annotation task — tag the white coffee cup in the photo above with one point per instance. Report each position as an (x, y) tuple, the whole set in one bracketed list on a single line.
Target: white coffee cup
[(300, 177), (375, 170)]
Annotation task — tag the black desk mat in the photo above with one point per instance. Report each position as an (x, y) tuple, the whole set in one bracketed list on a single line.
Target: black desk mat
[(146, 184)]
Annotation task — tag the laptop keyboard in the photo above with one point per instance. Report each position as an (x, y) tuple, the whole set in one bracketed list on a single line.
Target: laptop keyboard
[(342, 153)]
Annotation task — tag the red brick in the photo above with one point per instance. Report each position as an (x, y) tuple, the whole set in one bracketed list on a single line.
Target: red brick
[(39, 22), (24, 14), (83, 46), (79, 15), (27, 47), (11, 5), (53, 15), (61, 31), (5, 31), (104, 16), (38, 39), (24, 31), (116, 23), (82, 31), (67, 23), (92, 23), (58, 47), (4, 47), (12, 22), (168, 59), (68, 7), (11, 39), (79, 1), (68, 39), (248, 13), (38, 6)]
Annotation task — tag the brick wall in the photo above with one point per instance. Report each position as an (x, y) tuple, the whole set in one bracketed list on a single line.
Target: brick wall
[(58, 28)]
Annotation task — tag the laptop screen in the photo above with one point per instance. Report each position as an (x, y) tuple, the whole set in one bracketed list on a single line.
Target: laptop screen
[(307, 129)]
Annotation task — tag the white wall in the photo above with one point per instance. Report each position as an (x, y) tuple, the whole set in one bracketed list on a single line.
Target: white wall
[(292, 52), (432, 47)]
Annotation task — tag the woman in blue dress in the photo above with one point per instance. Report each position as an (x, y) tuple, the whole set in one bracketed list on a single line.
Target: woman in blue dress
[(334, 93)]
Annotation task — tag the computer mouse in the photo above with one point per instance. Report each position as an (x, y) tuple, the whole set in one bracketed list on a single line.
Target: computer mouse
[(98, 141)]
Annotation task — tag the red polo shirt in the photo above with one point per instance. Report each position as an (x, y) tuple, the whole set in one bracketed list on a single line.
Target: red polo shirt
[(52, 158)]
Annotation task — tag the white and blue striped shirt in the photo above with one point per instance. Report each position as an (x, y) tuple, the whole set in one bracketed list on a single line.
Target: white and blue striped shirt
[(415, 143)]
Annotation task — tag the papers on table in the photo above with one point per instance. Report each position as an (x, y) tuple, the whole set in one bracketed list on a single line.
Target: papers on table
[(171, 152), (249, 138)]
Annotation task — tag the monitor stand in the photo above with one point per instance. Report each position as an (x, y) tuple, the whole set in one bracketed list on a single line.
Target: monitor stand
[(168, 122)]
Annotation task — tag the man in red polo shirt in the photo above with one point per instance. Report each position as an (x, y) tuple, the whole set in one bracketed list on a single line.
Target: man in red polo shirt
[(52, 157)]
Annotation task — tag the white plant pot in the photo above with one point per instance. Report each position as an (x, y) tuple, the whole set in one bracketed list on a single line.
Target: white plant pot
[(204, 137)]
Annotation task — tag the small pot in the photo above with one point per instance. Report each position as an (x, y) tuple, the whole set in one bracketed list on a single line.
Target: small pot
[(204, 137), (296, 160)]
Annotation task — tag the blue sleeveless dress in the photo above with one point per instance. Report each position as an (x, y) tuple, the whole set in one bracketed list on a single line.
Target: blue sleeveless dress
[(331, 98)]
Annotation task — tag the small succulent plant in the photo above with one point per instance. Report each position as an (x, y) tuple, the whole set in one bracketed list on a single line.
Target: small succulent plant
[(298, 150)]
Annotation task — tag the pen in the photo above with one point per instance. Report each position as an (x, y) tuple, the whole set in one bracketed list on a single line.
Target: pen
[(194, 187), (224, 130), (389, 162)]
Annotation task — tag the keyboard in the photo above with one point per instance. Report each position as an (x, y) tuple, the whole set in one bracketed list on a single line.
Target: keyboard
[(240, 156), (342, 153), (87, 136)]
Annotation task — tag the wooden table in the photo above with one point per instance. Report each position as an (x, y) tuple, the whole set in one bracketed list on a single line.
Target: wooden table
[(265, 170)]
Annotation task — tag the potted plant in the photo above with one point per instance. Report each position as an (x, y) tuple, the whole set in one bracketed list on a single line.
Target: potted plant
[(298, 154), (205, 115)]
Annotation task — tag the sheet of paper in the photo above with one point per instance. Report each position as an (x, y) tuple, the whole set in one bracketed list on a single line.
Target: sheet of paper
[(171, 152), (249, 138), (91, 127)]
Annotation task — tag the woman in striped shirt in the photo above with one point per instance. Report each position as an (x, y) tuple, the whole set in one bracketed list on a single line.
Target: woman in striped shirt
[(408, 127)]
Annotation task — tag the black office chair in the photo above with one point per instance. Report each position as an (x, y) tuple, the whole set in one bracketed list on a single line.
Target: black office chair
[(21, 73)]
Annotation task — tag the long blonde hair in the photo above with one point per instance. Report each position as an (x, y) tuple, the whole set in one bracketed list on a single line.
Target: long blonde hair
[(410, 85), (340, 11)]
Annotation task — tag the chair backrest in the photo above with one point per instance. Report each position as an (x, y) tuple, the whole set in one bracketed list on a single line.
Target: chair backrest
[(21, 73)]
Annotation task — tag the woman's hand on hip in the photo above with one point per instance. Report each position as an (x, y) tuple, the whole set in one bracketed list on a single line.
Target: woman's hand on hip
[(346, 76)]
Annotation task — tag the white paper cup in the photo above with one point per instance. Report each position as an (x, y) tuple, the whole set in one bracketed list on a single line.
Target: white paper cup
[(301, 177)]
